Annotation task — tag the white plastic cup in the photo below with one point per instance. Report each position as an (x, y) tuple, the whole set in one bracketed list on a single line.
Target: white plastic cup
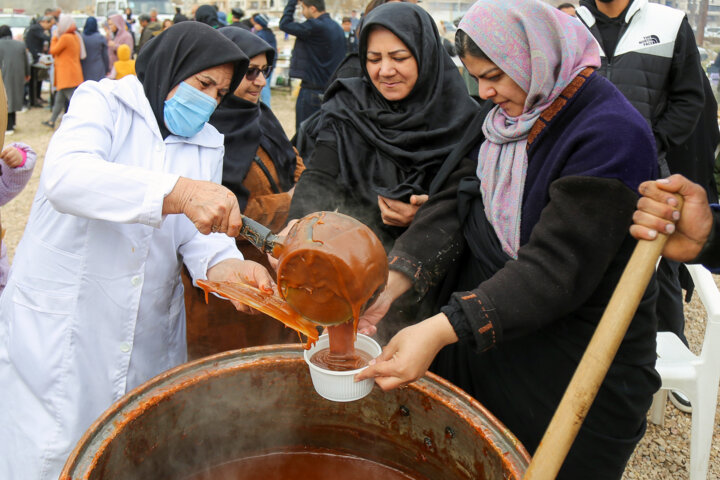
[(341, 386)]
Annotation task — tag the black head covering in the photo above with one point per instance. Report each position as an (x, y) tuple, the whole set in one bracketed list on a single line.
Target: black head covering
[(247, 125), (179, 52), (90, 26), (250, 43), (394, 148), (208, 15), (5, 31)]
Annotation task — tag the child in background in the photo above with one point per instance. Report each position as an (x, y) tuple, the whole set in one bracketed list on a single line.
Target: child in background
[(16, 167), (124, 66)]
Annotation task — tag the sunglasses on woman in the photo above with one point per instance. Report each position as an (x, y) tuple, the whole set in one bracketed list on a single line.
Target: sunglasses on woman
[(253, 72)]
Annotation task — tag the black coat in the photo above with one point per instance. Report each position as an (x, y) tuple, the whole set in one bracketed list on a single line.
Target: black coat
[(35, 37)]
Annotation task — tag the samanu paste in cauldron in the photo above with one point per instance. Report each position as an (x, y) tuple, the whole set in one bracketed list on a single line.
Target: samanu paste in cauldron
[(303, 465)]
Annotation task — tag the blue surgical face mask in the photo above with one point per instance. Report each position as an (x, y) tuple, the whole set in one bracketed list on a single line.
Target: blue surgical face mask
[(187, 112)]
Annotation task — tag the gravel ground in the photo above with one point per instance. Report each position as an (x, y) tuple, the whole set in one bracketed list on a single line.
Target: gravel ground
[(662, 454)]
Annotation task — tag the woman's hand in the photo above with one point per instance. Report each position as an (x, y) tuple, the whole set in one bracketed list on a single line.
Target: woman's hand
[(210, 206), (12, 157), (397, 284), (657, 212), (399, 214), (367, 324), (243, 271), (409, 353)]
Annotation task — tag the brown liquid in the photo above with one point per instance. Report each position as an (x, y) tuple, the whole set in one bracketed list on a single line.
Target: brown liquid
[(303, 465), (338, 362), (341, 356)]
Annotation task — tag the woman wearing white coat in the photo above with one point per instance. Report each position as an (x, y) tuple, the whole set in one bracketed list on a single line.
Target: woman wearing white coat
[(94, 303)]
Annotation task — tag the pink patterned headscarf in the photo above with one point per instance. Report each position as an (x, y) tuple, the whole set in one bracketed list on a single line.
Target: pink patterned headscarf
[(542, 49)]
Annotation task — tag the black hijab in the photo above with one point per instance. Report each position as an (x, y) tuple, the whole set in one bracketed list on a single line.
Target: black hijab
[(395, 148), (179, 52), (90, 26), (208, 15), (247, 125)]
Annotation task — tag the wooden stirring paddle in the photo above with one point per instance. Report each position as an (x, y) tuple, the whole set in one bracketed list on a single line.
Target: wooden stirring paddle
[(593, 367)]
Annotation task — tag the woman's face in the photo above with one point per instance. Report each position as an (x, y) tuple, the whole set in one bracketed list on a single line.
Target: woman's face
[(496, 85), (391, 67), (214, 82), (113, 27), (250, 89)]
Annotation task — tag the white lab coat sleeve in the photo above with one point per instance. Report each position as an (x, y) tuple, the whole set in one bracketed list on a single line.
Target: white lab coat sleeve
[(80, 179), (201, 252), (204, 251)]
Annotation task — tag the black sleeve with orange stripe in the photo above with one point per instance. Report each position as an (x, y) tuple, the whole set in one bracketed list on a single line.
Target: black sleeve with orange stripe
[(433, 242)]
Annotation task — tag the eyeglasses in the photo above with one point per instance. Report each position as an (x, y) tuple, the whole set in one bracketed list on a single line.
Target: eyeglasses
[(253, 72)]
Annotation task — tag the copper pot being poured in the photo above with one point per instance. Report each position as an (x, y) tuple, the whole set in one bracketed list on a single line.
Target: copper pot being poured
[(330, 268)]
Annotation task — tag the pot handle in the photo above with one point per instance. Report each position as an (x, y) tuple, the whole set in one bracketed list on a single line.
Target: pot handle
[(260, 236)]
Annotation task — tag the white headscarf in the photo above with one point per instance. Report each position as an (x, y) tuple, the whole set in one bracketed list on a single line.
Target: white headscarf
[(66, 24)]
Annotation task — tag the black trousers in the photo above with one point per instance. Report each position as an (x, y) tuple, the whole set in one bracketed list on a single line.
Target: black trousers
[(308, 102), (36, 76)]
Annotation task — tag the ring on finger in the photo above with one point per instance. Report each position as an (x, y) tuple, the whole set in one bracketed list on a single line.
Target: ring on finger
[(214, 228)]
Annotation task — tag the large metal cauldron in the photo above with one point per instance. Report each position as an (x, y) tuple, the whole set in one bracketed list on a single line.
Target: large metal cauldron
[(253, 401)]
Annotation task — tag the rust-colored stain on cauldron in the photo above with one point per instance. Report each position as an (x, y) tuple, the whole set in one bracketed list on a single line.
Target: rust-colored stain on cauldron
[(137, 455)]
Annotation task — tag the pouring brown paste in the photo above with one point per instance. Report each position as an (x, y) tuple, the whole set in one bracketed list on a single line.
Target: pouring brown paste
[(330, 268), (341, 356)]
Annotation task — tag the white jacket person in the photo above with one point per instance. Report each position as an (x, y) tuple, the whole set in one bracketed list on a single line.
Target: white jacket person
[(94, 303)]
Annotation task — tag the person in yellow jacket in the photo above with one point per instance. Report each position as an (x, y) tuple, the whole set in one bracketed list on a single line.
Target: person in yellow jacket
[(124, 66)]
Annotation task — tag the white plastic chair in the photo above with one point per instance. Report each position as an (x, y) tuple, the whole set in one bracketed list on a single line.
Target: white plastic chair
[(695, 376)]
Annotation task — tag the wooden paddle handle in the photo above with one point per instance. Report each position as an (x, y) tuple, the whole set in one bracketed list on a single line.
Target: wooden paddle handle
[(596, 361)]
